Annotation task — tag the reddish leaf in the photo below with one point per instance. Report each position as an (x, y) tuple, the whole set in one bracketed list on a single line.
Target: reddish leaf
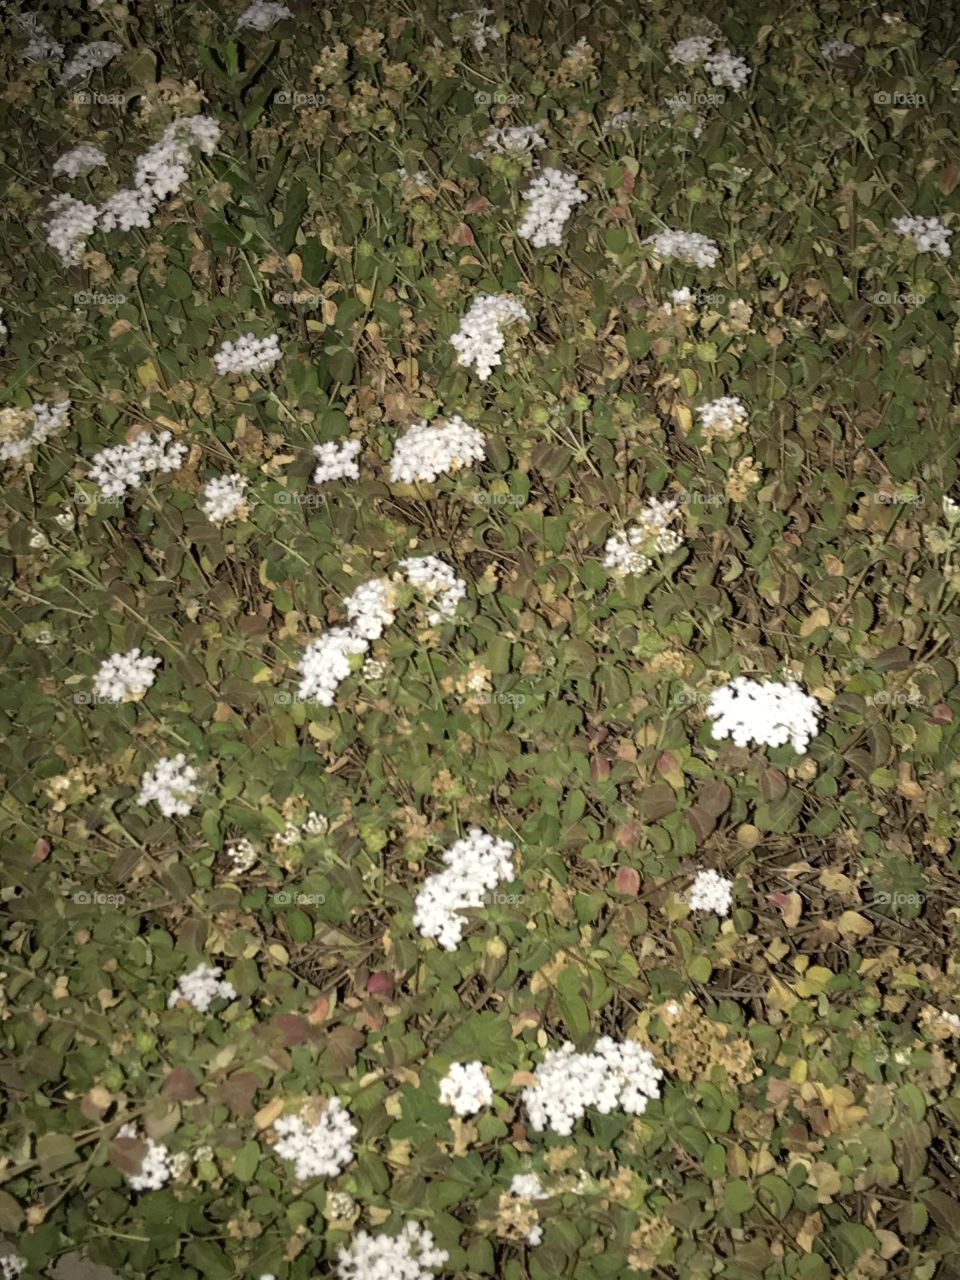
[(656, 801), (702, 823), (293, 1028), (599, 769), (477, 204), (41, 850), (715, 798), (380, 983), (463, 235), (628, 881), (320, 1011), (942, 714), (180, 1084), (127, 1155), (344, 1044), (239, 1092), (627, 835)]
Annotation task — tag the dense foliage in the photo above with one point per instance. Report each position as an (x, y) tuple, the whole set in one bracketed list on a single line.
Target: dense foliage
[(355, 205)]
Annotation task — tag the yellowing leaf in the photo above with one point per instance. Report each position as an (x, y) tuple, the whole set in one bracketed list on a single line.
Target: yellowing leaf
[(853, 925), (819, 618), (267, 1114), (148, 374), (295, 263)]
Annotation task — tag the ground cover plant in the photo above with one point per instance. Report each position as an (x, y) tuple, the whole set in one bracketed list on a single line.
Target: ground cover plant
[(479, 531)]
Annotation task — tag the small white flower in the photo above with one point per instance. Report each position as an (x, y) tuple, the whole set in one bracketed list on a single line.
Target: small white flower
[(724, 417), (326, 662), (479, 340), (158, 1165), (124, 467), (552, 197), (371, 608), (466, 1088), (711, 892), (929, 235), (72, 224), (475, 27), (262, 15), (336, 460), (40, 47), (38, 540), (88, 58), (769, 714), (438, 583), (172, 783), (834, 50), (426, 450), (200, 987), (412, 1255), (514, 140), (528, 1187), (248, 354), (690, 51), (689, 246), (951, 509), (320, 1149), (224, 498), (473, 866), (616, 1075), (86, 156), (622, 120), (372, 669), (243, 856), (125, 677), (12, 1265), (630, 552), (725, 68), (23, 429)]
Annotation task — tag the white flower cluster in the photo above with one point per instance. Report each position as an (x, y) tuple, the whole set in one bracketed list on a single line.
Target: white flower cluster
[(371, 608), (629, 552), (314, 825), (125, 677), (723, 417), (160, 172), (326, 662), (928, 234), (22, 435), (722, 66), (622, 120), (688, 246), (615, 1075), (262, 15), (320, 1149), (172, 783), (710, 891), (412, 1255), (248, 354), (223, 498), (475, 27), (479, 340), (200, 987), (12, 1265), (769, 714), (425, 451), (158, 1165), (242, 855), (466, 1088), (834, 50), (40, 47), (727, 69), (72, 224), (579, 56), (123, 467), (690, 51), (527, 1186), (474, 865), (88, 58), (336, 460), (438, 583), (552, 195), (86, 156), (514, 140)]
